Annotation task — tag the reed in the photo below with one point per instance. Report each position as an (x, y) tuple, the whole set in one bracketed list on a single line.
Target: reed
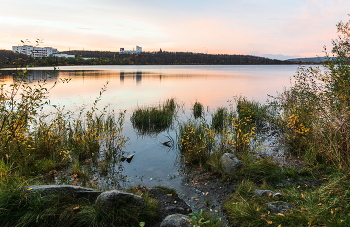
[(198, 110), (153, 120), (219, 118)]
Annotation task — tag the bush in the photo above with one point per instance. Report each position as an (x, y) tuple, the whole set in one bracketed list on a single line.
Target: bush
[(315, 110)]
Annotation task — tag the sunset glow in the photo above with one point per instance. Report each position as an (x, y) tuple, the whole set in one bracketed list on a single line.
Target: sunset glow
[(297, 28)]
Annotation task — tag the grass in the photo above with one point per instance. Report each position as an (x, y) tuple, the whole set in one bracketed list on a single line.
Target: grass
[(323, 205), (198, 110), (153, 120), (219, 118), (196, 142)]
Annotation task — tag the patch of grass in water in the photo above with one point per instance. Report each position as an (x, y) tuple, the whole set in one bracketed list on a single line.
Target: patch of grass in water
[(198, 110), (153, 120)]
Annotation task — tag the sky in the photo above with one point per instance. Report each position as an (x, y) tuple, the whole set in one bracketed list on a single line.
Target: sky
[(278, 29)]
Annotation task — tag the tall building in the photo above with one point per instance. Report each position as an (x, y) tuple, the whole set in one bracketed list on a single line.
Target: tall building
[(137, 51)]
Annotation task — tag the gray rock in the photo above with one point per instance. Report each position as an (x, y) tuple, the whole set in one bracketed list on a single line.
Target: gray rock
[(70, 190), (176, 220), (280, 207), (262, 193), (230, 163), (112, 199)]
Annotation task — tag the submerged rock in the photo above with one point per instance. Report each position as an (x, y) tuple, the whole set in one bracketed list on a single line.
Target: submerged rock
[(128, 159), (113, 199), (230, 163), (176, 220)]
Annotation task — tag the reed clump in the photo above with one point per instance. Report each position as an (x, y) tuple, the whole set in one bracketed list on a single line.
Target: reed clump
[(219, 118), (153, 120), (198, 110)]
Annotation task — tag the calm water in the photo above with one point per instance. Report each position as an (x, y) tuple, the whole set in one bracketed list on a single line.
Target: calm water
[(132, 86)]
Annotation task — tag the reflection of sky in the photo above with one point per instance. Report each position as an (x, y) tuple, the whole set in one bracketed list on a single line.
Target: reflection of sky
[(130, 86)]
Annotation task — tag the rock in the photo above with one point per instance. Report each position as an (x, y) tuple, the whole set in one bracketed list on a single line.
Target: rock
[(175, 209), (128, 159), (70, 190), (230, 163), (262, 193), (167, 143), (176, 220), (280, 207), (112, 199)]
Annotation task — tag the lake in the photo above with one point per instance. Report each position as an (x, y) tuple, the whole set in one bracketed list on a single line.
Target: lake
[(132, 86)]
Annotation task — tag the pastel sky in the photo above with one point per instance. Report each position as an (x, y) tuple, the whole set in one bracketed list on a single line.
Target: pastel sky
[(294, 28)]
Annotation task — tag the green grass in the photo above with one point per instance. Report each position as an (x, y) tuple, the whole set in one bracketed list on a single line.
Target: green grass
[(218, 118), (153, 120), (324, 205), (198, 110), (196, 142)]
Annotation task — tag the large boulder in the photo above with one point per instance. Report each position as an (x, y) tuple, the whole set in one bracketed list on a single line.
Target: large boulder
[(70, 190), (110, 200), (230, 163), (176, 220)]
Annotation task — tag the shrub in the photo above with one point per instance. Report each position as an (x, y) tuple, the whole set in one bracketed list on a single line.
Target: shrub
[(315, 110)]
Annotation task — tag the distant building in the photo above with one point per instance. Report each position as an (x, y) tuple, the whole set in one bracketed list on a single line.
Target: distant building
[(39, 52), (64, 55), (137, 51)]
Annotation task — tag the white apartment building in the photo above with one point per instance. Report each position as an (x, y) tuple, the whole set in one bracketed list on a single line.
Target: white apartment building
[(137, 51), (35, 51)]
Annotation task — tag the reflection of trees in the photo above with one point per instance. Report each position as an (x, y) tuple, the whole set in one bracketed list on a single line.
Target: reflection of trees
[(34, 75), (138, 77)]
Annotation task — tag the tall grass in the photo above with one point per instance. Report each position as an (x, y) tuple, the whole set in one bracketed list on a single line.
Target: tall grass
[(202, 143), (196, 142), (153, 120), (34, 142), (198, 110), (219, 118)]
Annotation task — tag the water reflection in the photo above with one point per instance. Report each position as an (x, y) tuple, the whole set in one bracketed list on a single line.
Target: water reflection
[(133, 86)]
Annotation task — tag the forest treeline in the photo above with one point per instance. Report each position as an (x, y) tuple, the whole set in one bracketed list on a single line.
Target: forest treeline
[(10, 59)]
